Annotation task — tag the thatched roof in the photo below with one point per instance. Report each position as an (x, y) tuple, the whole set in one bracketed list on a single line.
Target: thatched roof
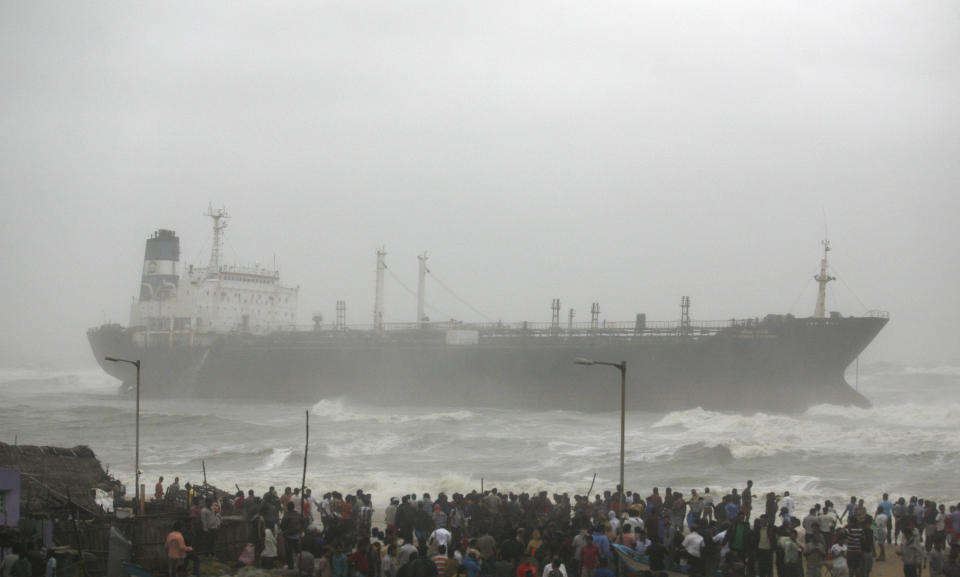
[(50, 477)]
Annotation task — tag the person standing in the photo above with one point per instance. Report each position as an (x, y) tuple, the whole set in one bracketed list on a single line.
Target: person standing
[(936, 559), (854, 549), (589, 557), (210, 524), (771, 507), (766, 542), (177, 550), (867, 547), (291, 527), (839, 553), (881, 523), (707, 513), (815, 552), (791, 555), (51, 567), (887, 506), (440, 560), (173, 490), (693, 547), (788, 502), (158, 490), (268, 556), (389, 562), (912, 554)]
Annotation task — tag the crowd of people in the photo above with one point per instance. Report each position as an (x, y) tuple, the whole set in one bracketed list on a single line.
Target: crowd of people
[(734, 534)]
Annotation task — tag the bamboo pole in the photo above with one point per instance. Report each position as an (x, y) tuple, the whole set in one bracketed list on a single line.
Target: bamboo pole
[(590, 490), (303, 480)]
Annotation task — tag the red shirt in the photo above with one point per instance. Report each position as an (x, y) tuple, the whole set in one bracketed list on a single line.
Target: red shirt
[(522, 570), (589, 555)]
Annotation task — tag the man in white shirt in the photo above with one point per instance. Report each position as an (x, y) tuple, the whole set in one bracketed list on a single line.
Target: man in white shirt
[(439, 537), (692, 544), (555, 568), (787, 502)]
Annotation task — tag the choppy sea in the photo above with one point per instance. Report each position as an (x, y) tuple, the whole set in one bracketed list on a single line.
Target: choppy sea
[(908, 443)]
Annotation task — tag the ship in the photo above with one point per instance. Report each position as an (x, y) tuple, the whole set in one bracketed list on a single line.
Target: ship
[(225, 331)]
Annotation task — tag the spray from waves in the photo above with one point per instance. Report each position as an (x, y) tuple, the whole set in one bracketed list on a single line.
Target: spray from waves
[(932, 370), (275, 459), (352, 446), (743, 436), (703, 454), (906, 415), (823, 430), (568, 449), (38, 381), (337, 410)]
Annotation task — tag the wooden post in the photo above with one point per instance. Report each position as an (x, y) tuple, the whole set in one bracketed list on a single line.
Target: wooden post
[(203, 464), (303, 480), (590, 490)]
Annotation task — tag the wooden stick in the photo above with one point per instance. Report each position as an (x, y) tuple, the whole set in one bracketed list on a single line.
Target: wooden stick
[(204, 465), (590, 490), (303, 481)]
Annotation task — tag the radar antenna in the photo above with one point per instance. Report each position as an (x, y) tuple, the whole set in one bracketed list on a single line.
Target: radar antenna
[(822, 279), (219, 217)]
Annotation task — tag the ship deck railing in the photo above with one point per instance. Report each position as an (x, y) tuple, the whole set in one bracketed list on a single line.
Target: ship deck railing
[(494, 332)]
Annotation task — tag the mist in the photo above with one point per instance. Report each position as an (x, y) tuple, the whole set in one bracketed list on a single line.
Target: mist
[(626, 154)]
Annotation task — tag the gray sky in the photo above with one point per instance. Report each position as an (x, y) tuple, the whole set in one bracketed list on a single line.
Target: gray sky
[(621, 152)]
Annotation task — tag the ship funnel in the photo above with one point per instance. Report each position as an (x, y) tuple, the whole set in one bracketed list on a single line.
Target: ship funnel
[(160, 277)]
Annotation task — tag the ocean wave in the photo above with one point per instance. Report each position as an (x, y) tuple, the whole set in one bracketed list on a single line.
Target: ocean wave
[(723, 453), (38, 381), (908, 415), (569, 449), (275, 459), (346, 447), (932, 370), (703, 453), (823, 430), (337, 410)]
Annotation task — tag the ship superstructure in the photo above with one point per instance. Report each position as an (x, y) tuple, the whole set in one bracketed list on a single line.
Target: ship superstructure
[(230, 331), (193, 307)]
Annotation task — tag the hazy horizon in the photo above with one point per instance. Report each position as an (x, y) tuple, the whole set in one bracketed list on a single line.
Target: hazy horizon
[(626, 154)]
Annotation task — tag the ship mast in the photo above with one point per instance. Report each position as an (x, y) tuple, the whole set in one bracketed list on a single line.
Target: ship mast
[(378, 302), (219, 217), (421, 288), (822, 279)]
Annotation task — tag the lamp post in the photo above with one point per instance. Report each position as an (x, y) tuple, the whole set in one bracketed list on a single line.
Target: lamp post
[(136, 488), (622, 366)]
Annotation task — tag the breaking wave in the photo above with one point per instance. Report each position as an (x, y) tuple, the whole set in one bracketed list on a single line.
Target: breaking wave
[(36, 381), (275, 459), (338, 411)]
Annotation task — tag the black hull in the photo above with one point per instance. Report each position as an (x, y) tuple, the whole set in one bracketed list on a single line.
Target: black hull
[(785, 365)]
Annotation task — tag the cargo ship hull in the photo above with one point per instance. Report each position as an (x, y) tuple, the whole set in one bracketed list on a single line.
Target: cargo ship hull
[(780, 364), (228, 332)]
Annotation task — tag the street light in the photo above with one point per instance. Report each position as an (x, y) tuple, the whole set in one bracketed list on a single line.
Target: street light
[(622, 366), (136, 487)]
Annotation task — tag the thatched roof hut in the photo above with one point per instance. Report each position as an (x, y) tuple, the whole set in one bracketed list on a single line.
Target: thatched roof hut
[(55, 478)]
